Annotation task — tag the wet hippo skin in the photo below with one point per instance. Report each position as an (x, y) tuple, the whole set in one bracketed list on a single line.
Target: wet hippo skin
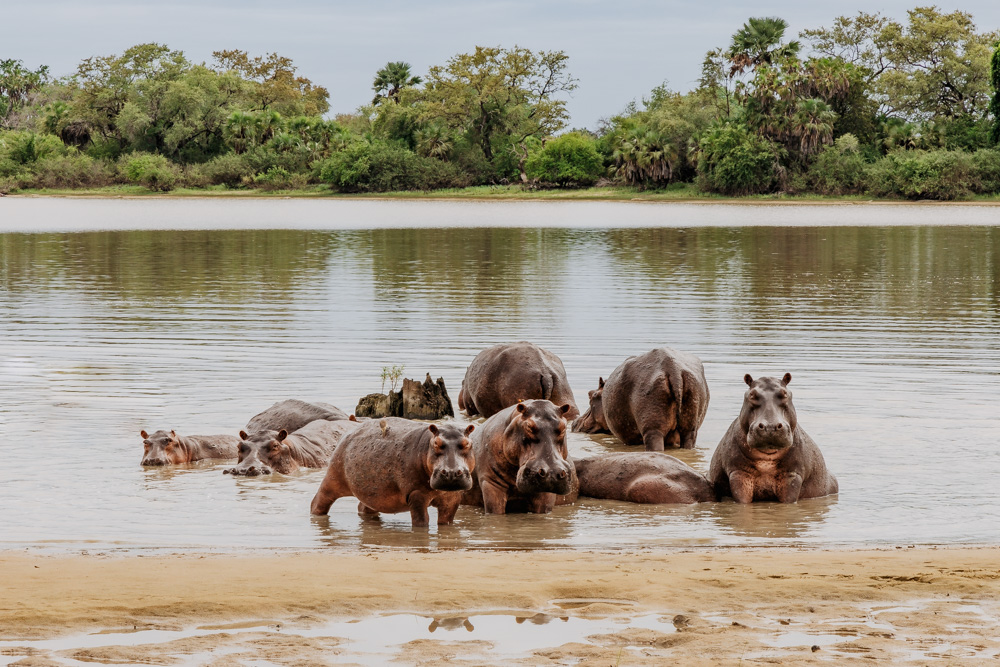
[(167, 448)]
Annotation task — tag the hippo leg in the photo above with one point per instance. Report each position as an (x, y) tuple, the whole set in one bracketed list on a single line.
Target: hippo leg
[(418, 503), (447, 506), (324, 498), (741, 486), (653, 441), (688, 439), (494, 498), (791, 487), (366, 512), (541, 503), (673, 439)]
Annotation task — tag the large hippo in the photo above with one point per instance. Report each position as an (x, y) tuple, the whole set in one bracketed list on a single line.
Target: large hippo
[(642, 477), (394, 465), (522, 463), (765, 454), (292, 414), (264, 452), (655, 399), (504, 374), (166, 447)]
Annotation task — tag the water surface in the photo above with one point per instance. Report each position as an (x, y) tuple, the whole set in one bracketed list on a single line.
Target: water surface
[(889, 330)]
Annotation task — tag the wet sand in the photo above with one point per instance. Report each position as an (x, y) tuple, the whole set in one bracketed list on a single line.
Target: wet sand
[(907, 605)]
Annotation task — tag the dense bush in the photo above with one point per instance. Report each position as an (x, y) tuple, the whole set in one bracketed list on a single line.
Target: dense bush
[(25, 148), (987, 170), (571, 159), (378, 166), (733, 161), (152, 171), (72, 170), (278, 178), (939, 174), (228, 169), (838, 170)]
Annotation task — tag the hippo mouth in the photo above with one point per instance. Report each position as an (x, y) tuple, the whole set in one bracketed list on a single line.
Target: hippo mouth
[(246, 472), (154, 462), (530, 484), (769, 445), (586, 423), (457, 482)]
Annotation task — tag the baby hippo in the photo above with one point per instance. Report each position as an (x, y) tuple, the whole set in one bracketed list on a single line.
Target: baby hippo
[(264, 452), (765, 454), (167, 448), (394, 465), (642, 477)]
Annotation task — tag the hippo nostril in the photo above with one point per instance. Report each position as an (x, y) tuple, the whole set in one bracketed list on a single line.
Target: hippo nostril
[(760, 427), (542, 472), (561, 475), (778, 427)]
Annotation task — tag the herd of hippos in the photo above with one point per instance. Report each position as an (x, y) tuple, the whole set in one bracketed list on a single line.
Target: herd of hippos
[(517, 459)]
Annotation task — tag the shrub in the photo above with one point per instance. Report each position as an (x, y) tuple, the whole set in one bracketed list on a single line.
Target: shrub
[(987, 171), (26, 148), (571, 159), (73, 170), (151, 171), (228, 169), (838, 170), (939, 174), (278, 178), (378, 166), (733, 161)]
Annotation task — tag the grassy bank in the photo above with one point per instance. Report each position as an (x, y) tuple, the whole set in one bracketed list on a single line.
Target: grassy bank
[(682, 192)]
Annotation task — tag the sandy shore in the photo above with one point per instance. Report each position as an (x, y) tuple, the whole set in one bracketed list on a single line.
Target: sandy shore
[(697, 607)]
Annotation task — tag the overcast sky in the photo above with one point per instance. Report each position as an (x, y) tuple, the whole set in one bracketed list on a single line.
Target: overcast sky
[(618, 50)]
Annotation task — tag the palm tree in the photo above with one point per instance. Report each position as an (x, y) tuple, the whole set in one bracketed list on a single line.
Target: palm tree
[(239, 131), (758, 42), (813, 125), (644, 156), (391, 79), (434, 141)]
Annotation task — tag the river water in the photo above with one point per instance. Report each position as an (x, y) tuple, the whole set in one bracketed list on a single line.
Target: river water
[(117, 316)]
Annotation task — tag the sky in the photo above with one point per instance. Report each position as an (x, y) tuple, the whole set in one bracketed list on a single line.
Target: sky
[(618, 51)]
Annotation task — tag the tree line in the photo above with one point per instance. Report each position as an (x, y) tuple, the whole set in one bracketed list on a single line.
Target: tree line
[(867, 105)]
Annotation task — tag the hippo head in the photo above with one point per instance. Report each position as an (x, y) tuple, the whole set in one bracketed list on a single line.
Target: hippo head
[(262, 453), (768, 416), (593, 420), (449, 457), (162, 448), (536, 439)]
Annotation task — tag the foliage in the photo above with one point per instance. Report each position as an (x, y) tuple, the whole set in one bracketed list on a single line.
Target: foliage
[(758, 43), (733, 161), (151, 171), (995, 100), (391, 80), (839, 169), (17, 85), (26, 148), (379, 166), (938, 174), (274, 85), (986, 163), (570, 159), (392, 374), (71, 170), (228, 169), (279, 178)]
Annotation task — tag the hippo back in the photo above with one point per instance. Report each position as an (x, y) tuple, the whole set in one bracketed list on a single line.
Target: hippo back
[(315, 442), (505, 374), (293, 414)]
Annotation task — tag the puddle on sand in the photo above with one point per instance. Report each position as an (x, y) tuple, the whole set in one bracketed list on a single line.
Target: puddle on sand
[(790, 639)]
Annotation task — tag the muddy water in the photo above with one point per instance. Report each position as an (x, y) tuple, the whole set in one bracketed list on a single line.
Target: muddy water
[(890, 331)]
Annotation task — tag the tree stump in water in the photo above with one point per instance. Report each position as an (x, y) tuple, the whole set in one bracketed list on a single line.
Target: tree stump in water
[(373, 405), (415, 400)]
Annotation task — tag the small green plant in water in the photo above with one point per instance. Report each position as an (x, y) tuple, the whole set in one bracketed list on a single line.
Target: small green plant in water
[(392, 374)]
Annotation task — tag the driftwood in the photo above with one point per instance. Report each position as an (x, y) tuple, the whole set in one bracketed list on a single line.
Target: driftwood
[(415, 400)]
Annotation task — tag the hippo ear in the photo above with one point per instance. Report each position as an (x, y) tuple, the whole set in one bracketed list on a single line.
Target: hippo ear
[(282, 434), (243, 435), (145, 436), (352, 418), (748, 379), (565, 407), (785, 380), (600, 383), (173, 434), (520, 407), (470, 428), (433, 428)]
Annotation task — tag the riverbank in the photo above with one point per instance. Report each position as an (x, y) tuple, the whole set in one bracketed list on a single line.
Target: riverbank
[(699, 606), (680, 193)]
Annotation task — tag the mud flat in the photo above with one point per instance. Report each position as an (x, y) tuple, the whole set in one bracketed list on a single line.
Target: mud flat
[(907, 605)]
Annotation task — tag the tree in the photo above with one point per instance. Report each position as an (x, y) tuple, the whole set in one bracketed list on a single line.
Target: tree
[(391, 80), (995, 100), (276, 87), (17, 83), (813, 125), (501, 97), (864, 41), (569, 159), (758, 43)]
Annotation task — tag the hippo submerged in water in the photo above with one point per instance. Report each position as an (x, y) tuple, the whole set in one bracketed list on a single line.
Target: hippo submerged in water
[(167, 448), (394, 465), (504, 374), (642, 477), (655, 399), (765, 454), (292, 414), (264, 452), (522, 462)]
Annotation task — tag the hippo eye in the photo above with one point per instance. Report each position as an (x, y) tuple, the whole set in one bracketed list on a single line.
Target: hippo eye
[(244, 447), (754, 396)]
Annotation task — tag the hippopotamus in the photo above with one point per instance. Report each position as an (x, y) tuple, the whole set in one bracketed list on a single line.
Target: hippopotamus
[(264, 452), (522, 462), (765, 454), (642, 477), (655, 399), (504, 374), (166, 448), (394, 465), (292, 414)]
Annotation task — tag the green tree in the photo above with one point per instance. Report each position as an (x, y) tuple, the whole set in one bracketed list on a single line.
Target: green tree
[(569, 159), (995, 100), (275, 84), (391, 80), (759, 42), (17, 83)]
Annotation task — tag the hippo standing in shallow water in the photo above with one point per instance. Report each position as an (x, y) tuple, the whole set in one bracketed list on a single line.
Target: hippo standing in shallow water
[(655, 399), (765, 454), (642, 477), (522, 463), (264, 452), (166, 447), (394, 465), (504, 374), (292, 414)]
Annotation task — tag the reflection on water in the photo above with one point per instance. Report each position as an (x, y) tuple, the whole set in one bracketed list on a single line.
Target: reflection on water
[(890, 333)]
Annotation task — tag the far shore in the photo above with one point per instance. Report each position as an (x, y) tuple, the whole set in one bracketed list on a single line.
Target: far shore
[(716, 606), (681, 193)]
